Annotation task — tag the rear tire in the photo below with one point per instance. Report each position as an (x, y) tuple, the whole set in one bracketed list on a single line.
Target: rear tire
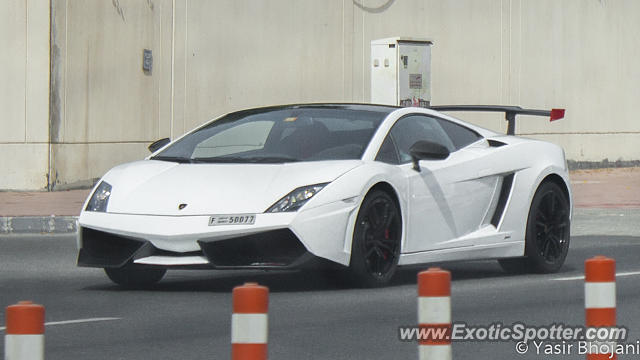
[(547, 233), (376, 241), (133, 276)]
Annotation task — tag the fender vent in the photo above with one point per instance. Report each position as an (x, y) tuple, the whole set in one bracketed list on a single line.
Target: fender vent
[(495, 143), (505, 190)]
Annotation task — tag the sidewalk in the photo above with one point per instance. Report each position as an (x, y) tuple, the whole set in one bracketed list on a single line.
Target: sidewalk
[(42, 203), (606, 188), (55, 212), (40, 212)]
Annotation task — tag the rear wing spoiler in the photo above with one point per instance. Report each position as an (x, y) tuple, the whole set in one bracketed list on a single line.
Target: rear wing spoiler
[(510, 112)]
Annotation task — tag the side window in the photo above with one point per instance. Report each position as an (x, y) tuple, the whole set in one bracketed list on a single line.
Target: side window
[(387, 153), (411, 129), (460, 135)]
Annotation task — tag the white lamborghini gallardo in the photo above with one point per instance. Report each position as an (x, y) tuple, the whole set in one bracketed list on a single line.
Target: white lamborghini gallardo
[(366, 188)]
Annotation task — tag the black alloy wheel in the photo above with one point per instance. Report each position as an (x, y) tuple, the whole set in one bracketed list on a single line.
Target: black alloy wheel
[(547, 233), (376, 241), (551, 227)]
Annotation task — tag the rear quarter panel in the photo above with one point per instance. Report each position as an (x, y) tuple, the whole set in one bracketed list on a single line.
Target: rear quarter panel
[(532, 161)]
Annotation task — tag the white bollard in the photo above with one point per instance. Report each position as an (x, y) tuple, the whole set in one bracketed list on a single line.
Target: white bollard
[(434, 313), (24, 336), (249, 322), (600, 300)]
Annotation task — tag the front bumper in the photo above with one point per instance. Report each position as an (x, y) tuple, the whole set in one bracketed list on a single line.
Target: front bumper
[(275, 249), (275, 241)]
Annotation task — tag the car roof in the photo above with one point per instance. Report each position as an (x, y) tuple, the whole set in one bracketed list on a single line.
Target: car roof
[(385, 109)]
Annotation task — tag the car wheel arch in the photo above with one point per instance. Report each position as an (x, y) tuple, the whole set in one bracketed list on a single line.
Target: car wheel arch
[(391, 191), (522, 264), (558, 180), (551, 174)]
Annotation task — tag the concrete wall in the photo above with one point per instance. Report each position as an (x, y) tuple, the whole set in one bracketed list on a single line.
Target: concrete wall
[(105, 108), (576, 54), (24, 94), (238, 54), (211, 57), (582, 55)]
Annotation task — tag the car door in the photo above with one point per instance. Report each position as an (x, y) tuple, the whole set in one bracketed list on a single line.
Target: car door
[(448, 198)]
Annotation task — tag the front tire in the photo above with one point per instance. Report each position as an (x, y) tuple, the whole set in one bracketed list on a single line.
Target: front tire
[(375, 249), (133, 276), (547, 234)]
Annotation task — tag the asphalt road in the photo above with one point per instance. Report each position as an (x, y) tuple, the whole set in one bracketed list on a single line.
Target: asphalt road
[(187, 316)]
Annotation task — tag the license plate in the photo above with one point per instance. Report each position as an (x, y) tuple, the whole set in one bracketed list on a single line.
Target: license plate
[(239, 219)]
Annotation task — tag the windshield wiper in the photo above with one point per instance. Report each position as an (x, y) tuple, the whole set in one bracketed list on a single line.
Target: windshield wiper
[(244, 160), (220, 159), (178, 159), (272, 159)]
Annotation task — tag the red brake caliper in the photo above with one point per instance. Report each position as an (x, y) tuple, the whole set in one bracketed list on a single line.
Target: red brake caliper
[(386, 237)]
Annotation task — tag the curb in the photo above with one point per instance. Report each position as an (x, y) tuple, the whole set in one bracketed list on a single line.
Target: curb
[(38, 225)]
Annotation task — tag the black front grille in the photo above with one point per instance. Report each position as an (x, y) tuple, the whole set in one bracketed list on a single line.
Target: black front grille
[(277, 248), (104, 249)]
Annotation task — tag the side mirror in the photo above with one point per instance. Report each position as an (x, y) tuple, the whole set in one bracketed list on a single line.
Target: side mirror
[(427, 150), (158, 144)]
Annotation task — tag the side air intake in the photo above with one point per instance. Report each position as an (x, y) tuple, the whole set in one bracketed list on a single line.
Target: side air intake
[(505, 190)]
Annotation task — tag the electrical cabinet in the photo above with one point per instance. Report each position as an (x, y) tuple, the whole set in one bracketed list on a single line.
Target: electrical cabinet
[(401, 71)]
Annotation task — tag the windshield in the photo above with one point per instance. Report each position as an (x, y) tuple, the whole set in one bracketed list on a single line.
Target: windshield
[(281, 135)]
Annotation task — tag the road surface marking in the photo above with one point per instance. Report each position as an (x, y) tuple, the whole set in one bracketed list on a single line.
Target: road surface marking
[(581, 277), (77, 321)]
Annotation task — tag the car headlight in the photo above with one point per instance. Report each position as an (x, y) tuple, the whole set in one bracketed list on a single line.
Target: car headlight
[(295, 199), (100, 198)]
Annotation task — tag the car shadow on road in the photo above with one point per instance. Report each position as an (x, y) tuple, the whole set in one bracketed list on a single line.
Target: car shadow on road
[(304, 281)]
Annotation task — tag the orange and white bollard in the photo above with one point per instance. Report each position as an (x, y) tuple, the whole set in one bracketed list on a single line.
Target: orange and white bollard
[(600, 301), (434, 313), (24, 337), (249, 322)]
